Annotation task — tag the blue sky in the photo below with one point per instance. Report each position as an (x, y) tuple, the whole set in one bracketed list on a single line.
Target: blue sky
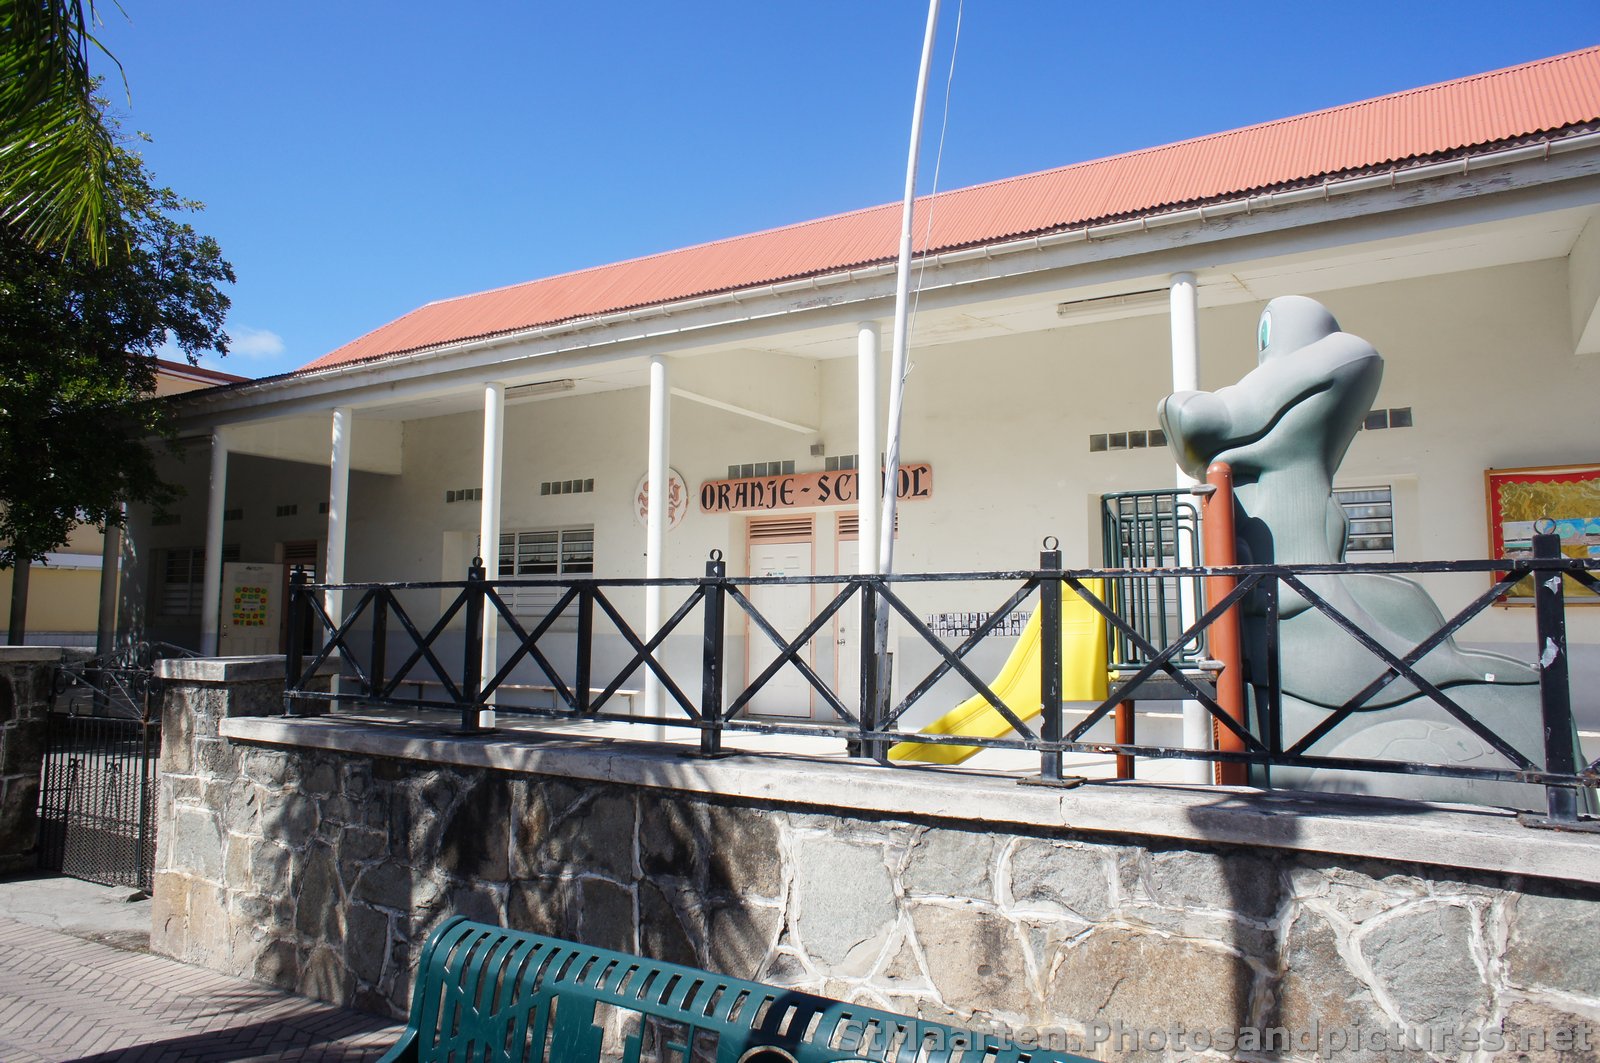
[(360, 159)]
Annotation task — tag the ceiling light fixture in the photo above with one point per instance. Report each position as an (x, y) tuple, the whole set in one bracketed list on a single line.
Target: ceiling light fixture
[(543, 387), (1110, 304)]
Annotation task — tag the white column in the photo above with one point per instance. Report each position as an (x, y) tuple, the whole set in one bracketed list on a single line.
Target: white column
[(655, 534), (1184, 301), (869, 482), (494, 418), (1185, 335), (338, 508), (211, 585)]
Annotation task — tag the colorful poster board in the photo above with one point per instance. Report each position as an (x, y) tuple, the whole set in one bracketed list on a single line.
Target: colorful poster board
[(1566, 495), (252, 604)]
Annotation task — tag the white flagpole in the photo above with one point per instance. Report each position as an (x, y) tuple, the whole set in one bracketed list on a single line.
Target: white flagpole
[(900, 363)]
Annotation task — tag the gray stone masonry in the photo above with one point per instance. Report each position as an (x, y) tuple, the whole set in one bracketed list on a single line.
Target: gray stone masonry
[(322, 872), (26, 673)]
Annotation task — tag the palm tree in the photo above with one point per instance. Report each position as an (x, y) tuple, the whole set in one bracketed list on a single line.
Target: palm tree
[(57, 181)]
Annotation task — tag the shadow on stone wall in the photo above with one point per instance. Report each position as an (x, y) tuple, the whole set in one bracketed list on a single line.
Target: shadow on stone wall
[(1366, 960)]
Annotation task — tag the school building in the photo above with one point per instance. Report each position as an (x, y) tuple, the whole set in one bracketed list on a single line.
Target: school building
[(1454, 226)]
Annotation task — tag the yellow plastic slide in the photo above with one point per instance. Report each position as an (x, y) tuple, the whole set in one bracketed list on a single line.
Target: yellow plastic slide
[(1083, 678)]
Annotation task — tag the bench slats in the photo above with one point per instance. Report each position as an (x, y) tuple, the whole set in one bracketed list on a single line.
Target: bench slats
[(488, 993)]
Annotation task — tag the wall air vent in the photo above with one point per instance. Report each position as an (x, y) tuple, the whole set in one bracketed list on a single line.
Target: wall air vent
[(1396, 417), (1136, 439), (567, 487), (751, 470)]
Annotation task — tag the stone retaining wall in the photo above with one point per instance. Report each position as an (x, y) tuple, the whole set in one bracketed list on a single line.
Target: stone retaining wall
[(26, 673), (323, 871)]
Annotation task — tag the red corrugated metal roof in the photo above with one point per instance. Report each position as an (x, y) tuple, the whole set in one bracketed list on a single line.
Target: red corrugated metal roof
[(1494, 108), (198, 372)]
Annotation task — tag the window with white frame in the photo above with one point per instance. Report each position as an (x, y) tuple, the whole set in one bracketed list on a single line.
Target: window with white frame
[(181, 582), (550, 553)]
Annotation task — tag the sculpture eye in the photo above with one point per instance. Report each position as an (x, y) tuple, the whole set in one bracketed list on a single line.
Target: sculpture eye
[(1264, 333)]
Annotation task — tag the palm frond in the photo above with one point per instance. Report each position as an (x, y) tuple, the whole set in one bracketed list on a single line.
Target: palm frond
[(57, 182)]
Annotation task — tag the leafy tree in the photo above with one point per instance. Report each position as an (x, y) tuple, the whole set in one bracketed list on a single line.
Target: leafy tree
[(78, 338), (58, 156), (96, 272)]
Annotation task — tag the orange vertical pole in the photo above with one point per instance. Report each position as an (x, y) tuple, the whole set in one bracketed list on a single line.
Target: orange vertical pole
[(1226, 640)]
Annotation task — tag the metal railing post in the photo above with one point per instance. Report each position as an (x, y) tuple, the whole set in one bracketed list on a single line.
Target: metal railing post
[(870, 694), (380, 642), (585, 664), (293, 657), (142, 869), (1050, 588), (472, 661), (711, 656), (1269, 695), (1555, 696)]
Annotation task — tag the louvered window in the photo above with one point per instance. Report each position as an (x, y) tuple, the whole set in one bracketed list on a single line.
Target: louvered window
[(782, 529), (548, 553), (562, 552), (1370, 511), (183, 575), (848, 529)]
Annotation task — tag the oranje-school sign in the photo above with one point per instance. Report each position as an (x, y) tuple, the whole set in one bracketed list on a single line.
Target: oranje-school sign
[(806, 490)]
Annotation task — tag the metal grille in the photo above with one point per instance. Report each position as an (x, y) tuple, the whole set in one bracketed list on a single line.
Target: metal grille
[(97, 799), (1145, 530)]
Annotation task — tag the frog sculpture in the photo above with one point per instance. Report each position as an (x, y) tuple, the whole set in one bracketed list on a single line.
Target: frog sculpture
[(1284, 428)]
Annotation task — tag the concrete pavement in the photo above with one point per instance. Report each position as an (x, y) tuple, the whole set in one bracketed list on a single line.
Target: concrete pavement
[(76, 984)]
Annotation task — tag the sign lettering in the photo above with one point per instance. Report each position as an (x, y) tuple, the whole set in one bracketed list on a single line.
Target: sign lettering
[(806, 490)]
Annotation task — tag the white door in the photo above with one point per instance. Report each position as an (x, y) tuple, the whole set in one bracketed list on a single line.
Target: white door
[(847, 621), (788, 609)]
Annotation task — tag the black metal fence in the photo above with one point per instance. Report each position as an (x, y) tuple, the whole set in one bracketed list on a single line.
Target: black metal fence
[(361, 640)]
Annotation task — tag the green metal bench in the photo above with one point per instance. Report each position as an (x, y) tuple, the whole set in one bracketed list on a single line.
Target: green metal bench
[(487, 993)]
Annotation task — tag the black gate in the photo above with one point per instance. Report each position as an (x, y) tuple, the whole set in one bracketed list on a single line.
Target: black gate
[(97, 798), (97, 793)]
